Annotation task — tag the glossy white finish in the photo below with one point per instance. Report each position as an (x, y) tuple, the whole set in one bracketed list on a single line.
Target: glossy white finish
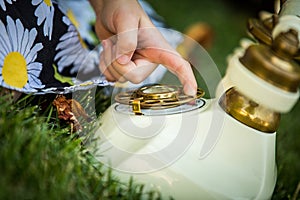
[(257, 89), (224, 159)]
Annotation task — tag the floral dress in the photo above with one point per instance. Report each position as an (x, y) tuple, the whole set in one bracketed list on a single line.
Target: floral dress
[(49, 46)]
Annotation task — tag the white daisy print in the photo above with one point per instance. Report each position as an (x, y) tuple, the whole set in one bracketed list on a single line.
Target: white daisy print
[(71, 49), (44, 13), (2, 3), (18, 69)]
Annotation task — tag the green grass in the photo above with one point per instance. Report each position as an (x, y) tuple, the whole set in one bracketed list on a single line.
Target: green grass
[(40, 159)]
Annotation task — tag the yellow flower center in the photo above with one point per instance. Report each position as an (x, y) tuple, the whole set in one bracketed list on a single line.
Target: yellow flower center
[(48, 2), (14, 70)]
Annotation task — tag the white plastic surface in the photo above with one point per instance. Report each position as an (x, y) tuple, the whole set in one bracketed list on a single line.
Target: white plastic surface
[(257, 89), (223, 160)]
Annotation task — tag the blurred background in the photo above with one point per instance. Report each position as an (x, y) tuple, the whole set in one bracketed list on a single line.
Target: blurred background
[(227, 20)]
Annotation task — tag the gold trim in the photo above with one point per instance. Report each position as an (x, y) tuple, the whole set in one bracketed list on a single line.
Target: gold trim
[(275, 64), (156, 97), (249, 112)]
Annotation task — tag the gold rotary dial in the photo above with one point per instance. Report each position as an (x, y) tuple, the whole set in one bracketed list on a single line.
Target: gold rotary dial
[(156, 96)]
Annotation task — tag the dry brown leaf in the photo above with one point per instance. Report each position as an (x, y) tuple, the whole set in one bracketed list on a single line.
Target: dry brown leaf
[(70, 110)]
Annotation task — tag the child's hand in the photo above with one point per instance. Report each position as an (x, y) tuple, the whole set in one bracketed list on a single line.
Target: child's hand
[(133, 46)]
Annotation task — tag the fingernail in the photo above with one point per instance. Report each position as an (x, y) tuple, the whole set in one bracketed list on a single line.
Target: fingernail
[(104, 43), (123, 59), (191, 91)]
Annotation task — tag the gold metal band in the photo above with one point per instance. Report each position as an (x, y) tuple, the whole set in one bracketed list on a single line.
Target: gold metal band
[(156, 97)]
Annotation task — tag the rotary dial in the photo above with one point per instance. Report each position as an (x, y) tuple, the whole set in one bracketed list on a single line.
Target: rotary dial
[(156, 97)]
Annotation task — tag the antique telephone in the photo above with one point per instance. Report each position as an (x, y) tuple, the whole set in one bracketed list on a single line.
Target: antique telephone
[(218, 148)]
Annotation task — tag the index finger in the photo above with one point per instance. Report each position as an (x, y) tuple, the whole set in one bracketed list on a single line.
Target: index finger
[(177, 65)]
